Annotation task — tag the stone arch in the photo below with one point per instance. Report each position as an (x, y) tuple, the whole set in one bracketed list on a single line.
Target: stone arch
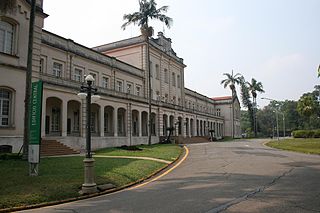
[(122, 117), (53, 119), (108, 121), (73, 117)]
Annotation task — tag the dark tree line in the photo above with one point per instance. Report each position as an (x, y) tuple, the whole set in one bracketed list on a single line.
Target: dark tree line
[(292, 115)]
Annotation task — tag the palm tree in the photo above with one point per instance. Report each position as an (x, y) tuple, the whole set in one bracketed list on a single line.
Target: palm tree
[(231, 80), (255, 87), (148, 10)]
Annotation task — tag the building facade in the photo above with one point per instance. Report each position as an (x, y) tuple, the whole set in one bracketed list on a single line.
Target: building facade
[(120, 117)]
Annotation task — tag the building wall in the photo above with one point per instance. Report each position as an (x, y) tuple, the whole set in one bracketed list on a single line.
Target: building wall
[(120, 117)]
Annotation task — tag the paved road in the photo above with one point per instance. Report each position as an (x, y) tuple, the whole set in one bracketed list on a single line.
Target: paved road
[(221, 177)]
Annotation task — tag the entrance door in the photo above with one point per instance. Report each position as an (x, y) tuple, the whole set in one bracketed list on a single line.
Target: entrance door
[(68, 126), (47, 124)]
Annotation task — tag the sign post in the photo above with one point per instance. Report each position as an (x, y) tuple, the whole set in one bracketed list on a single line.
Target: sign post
[(35, 127)]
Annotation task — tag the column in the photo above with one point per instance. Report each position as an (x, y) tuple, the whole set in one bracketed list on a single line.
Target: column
[(101, 121), (140, 123), (43, 119), (115, 122), (64, 118), (184, 126)]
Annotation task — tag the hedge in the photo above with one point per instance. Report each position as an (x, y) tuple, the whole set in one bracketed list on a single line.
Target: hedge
[(306, 133)]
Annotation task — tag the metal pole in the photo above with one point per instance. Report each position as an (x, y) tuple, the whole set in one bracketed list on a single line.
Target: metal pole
[(284, 126), (277, 125), (88, 139), (149, 85)]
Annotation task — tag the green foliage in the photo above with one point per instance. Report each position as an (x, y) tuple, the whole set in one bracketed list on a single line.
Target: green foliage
[(231, 80), (147, 10), (306, 133), (307, 105)]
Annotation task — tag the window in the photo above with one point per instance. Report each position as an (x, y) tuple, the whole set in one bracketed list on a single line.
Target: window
[(174, 100), (41, 67), (119, 86), (55, 121), (129, 88), (158, 95), (179, 101), (57, 69), (151, 70), (157, 71), (5, 106), (6, 37), (166, 96), (173, 79), (218, 112), (138, 90), (178, 81), (105, 82), (77, 75), (166, 77)]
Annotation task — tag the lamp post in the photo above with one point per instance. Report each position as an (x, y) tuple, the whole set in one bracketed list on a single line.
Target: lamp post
[(86, 92)]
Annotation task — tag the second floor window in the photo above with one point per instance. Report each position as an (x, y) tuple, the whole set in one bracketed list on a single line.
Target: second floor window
[(105, 82), (77, 75), (129, 88), (6, 37), (166, 76), (41, 67), (57, 69), (119, 86), (138, 90), (179, 81), (157, 71), (173, 79)]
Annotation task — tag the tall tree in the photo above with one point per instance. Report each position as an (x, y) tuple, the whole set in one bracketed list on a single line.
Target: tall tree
[(147, 11), (230, 81), (245, 98), (254, 87), (308, 107)]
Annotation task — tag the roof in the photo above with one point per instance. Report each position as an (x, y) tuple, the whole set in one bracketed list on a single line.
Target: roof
[(222, 98)]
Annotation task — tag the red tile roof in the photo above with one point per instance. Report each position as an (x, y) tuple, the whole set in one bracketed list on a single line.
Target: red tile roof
[(221, 98)]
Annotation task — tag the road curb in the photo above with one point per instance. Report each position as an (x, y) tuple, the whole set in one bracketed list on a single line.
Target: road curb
[(152, 176)]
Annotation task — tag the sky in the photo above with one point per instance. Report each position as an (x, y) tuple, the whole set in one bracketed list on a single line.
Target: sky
[(277, 42)]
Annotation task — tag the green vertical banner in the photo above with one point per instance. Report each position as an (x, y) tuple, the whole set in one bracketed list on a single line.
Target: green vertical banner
[(35, 121)]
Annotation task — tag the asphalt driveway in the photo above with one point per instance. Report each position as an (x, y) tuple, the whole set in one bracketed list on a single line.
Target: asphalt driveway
[(242, 176)]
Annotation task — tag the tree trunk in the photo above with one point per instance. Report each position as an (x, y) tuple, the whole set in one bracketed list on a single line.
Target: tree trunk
[(26, 133)]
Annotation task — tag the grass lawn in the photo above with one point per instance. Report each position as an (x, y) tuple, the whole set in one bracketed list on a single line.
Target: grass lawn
[(163, 151), (62, 177), (309, 145)]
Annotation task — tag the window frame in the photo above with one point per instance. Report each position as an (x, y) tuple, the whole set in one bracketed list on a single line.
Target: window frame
[(11, 107), (55, 70), (13, 25)]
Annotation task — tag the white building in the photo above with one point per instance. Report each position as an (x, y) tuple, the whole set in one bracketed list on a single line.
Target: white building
[(120, 117)]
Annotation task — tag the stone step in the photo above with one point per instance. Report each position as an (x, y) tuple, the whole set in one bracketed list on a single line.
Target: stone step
[(53, 147)]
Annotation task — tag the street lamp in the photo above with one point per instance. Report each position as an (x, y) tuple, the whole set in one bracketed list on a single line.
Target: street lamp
[(86, 92)]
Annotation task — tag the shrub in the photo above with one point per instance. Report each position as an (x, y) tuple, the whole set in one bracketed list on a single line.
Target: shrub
[(316, 133), (306, 133)]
